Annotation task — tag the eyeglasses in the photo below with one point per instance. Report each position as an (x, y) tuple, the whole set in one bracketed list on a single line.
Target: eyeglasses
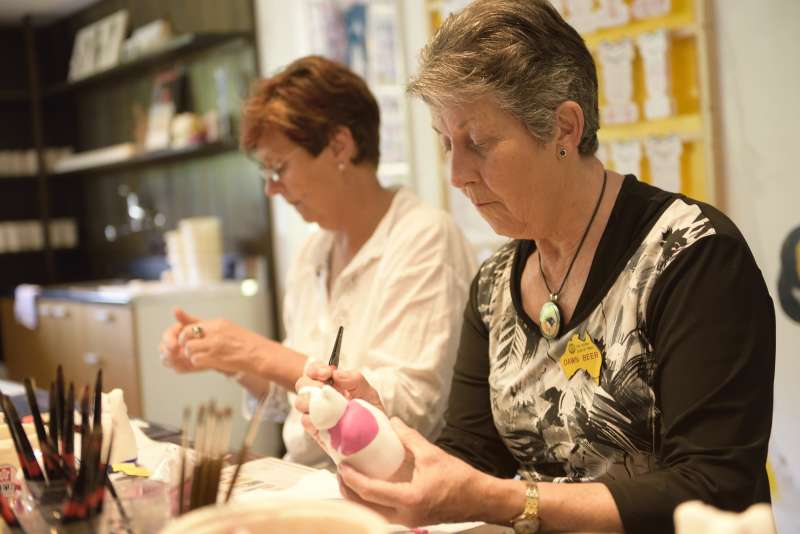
[(273, 174)]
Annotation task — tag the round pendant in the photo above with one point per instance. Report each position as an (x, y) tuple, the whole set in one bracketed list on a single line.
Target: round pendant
[(550, 320)]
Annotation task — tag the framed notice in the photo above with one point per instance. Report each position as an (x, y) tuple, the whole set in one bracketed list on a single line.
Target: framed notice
[(110, 34), (82, 62), (97, 46)]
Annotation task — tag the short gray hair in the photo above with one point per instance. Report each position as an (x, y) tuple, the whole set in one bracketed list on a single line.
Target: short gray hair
[(520, 53)]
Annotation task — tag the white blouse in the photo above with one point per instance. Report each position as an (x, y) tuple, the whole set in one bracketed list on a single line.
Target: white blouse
[(400, 300)]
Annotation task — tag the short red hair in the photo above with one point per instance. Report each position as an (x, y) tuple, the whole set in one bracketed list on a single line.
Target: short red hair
[(308, 101)]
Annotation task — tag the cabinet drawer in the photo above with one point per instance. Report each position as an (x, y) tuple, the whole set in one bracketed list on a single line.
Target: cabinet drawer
[(110, 345), (62, 334), (22, 348)]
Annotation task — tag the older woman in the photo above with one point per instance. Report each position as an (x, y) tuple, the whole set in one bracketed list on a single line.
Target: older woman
[(623, 341), (394, 272)]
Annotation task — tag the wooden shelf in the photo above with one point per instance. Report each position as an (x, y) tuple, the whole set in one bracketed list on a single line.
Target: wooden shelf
[(689, 127), (7, 95), (16, 178), (157, 156), (177, 47), (680, 21)]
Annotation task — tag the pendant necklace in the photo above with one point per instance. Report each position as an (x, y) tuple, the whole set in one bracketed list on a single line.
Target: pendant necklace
[(550, 314)]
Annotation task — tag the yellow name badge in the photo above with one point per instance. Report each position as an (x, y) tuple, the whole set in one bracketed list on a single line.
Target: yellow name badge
[(582, 354), (132, 470), (797, 258)]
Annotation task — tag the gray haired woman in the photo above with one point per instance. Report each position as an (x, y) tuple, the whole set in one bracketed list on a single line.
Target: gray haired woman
[(618, 353)]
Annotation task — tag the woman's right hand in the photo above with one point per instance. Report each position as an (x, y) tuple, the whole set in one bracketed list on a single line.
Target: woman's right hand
[(172, 353)]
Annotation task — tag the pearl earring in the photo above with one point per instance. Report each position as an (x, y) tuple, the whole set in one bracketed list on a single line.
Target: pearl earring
[(562, 152), (340, 167)]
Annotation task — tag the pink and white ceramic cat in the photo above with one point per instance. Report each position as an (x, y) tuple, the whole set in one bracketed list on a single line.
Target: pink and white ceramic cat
[(355, 432)]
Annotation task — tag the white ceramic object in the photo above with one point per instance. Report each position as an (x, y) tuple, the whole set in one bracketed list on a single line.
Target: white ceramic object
[(355, 432), (650, 8), (664, 157), (115, 418), (581, 15), (627, 157), (612, 13), (297, 517), (695, 517), (176, 257), (616, 60), (654, 48), (202, 248)]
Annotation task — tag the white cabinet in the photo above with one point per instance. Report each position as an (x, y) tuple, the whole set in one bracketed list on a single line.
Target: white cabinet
[(123, 339)]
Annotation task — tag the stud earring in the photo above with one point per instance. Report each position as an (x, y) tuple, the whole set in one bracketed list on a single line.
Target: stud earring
[(340, 167), (562, 152)]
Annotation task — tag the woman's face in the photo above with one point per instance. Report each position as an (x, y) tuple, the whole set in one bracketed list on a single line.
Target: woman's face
[(513, 180), (307, 182)]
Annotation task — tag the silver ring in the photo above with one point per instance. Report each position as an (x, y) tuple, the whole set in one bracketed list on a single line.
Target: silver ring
[(197, 331)]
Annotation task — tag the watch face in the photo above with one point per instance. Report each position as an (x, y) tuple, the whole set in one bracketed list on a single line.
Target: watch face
[(526, 526)]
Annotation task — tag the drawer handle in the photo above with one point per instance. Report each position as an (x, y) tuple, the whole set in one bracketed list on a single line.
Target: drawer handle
[(90, 358), (103, 316)]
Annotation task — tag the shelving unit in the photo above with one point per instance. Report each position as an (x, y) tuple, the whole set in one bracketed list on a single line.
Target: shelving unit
[(690, 30), (214, 41), (693, 89), (681, 21), (14, 97), (156, 157), (178, 47), (689, 127)]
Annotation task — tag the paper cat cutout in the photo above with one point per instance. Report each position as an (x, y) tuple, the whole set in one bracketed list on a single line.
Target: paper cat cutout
[(355, 432)]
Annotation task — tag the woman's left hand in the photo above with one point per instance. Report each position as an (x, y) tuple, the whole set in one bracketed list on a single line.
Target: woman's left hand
[(352, 384), (223, 346), (431, 487)]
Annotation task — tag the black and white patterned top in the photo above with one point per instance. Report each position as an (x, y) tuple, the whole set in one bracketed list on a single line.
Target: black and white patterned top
[(680, 315)]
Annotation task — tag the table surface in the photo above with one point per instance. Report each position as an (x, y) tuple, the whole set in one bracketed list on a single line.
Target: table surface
[(16, 394)]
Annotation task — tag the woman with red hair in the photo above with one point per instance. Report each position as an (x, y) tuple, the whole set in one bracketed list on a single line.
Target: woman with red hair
[(391, 270)]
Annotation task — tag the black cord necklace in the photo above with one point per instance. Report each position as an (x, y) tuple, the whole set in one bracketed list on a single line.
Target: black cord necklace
[(550, 313)]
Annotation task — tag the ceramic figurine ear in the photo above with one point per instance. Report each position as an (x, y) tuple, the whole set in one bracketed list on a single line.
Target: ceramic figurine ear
[(325, 406)]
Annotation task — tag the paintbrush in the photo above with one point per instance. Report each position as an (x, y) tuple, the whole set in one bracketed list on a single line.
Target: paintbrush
[(68, 438), (212, 437), (221, 441), (98, 390), (96, 473), (52, 422), (334, 359), (187, 415), (60, 403), (249, 438), (199, 446), (50, 461), (82, 498), (27, 460)]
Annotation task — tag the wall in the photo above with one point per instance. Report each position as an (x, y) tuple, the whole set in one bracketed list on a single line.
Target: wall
[(283, 36), (759, 75)]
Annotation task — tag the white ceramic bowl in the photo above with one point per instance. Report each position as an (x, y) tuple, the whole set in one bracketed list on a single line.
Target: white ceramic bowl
[(297, 517)]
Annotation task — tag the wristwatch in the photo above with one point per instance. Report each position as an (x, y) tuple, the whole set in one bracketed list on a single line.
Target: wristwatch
[(528, 521)]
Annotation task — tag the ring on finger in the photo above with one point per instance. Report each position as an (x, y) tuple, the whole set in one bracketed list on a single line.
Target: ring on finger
[(197, 331)]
